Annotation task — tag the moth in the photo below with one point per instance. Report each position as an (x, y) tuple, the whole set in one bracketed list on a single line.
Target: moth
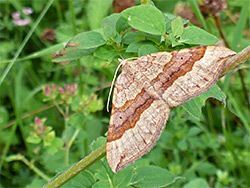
[(148, 88)]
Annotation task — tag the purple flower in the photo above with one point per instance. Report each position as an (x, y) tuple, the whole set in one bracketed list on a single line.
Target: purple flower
[(16, 15), (27, 10), (22, 22)]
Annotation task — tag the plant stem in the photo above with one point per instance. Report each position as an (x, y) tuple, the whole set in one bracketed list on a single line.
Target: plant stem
[(78, 167), (236, 60), (59, 108), (59, 11), (29, 114), (244, 88), (230, 148), (218, 24), (198, 13), (7, 146), (31, 165), (73, 137), (66, 162), (80, 84)]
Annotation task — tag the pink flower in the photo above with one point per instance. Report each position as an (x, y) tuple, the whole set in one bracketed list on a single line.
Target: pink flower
[(61, 90), (47, 90), (22, 22), (16, 15), (37, 121), (67, 88), (27, 10)]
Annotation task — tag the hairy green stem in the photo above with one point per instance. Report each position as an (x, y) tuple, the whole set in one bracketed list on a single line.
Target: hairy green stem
[(78, 167), (236, 60)]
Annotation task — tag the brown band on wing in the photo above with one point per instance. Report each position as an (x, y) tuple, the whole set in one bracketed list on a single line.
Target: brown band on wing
[(179, 65), (122, 121)]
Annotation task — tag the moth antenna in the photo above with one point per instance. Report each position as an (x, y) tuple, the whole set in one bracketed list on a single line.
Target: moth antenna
[(113, 82)]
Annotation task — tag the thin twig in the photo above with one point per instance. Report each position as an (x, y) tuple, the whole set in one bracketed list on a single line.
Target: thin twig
[(244, 87), (30, 114), (218, 23)]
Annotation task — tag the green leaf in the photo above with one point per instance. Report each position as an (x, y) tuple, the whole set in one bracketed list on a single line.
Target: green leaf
[(4, 116), (94, 105), (135, 46), (64, 32), (84, 179), (86, 40), (198, 182), (173, 40), (96, 11), (49, 138), (147, 49), (53, 162), (146, 18), (182, 145), (153, 176), (177, 27), (109, 26), (78, 119), (102, 174), (36, 182), (121, 24), (69, 54), (206, 168), (5, 136), (57, 143), (194, 105), (193, 131), (123, 178), (195, 35), (98, 142), (34, 139), (102, 184), (93, 124), (137, 36), (106, 52), (81, 45), (51, 149)]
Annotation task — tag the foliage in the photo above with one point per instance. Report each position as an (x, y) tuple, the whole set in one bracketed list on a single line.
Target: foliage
[(52, 113)]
